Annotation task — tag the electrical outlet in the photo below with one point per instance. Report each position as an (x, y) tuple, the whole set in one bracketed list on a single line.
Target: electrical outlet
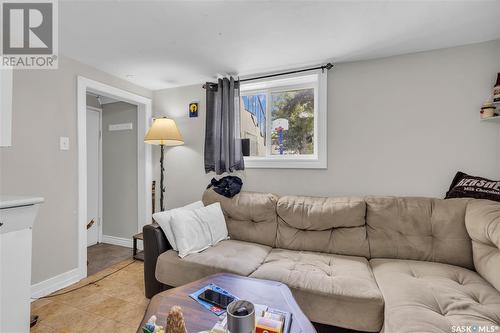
[(64, 143)]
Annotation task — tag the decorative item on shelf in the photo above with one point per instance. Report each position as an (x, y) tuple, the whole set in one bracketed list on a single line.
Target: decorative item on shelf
[(175, 321), (163, 132), (488, 110), (193, 110), (496, 90)]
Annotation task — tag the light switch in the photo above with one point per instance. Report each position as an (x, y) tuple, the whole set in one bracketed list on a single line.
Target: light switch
[(64, 143)]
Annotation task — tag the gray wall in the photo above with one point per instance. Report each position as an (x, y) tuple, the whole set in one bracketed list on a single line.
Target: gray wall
[(396, 126), (92, 101), (185, 177), (119, 169), (401, 125), (44, 108)]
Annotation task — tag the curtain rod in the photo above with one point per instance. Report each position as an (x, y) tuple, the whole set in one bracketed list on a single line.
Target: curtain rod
[(328, 66)]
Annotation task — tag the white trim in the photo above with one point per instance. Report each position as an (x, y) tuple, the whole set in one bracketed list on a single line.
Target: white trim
[(319, 159), (6, 82), (289, 81), (101, 161), (93, 108), (99, 176), (144, 165), (126, 242), (144, 174), (55, 283)]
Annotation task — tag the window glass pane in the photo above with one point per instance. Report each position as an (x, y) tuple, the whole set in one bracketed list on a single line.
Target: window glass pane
[(292, 122), (253, 122)]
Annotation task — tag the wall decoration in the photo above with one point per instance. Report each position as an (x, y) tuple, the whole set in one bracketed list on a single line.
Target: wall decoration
[(193, 110), (496, 90), (488, 110)]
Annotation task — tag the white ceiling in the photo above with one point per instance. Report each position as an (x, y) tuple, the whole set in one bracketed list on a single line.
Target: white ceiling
[(166, 44)]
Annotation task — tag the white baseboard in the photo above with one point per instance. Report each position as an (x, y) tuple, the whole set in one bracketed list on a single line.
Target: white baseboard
[(126, 242), (55, 283), (65, 279)]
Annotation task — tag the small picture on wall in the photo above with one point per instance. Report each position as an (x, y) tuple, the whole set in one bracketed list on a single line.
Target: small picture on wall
[(193, 110)]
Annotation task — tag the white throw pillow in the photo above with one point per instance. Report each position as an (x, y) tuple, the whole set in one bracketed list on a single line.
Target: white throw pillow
[(198, 229), (214, 217), (191, 234), (163, 219)]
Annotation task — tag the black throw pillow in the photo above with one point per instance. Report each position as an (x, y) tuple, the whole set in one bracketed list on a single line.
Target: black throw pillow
[(466, 186)]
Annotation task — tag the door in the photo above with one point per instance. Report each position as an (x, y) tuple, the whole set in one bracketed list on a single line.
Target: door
[(93, 183)]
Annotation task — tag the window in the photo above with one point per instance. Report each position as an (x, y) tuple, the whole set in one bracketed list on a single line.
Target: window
[(285, 121)]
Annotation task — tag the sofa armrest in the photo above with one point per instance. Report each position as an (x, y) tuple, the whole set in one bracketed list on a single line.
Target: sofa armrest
[(482, 219), (155, 243)]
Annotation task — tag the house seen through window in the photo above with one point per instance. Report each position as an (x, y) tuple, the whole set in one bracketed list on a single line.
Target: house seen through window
[(279, 121)]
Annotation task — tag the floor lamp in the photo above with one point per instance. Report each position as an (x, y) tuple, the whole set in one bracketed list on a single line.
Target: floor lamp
[(163, 132)]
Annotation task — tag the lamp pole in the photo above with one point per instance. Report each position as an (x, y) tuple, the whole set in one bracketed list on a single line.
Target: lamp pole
[(163, 132), (162, 188)]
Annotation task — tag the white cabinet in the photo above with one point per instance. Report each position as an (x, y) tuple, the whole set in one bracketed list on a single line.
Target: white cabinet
[(5, 107), (17, 215)]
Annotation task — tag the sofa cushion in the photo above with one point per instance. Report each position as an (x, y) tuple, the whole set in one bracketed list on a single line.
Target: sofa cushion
[(331, 225), (250, 216), (330, 289), (419, 229), (483, 224), (230, 256), (433, 297)]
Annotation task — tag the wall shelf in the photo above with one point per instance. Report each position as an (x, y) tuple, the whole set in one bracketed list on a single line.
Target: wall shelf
[(492, 120)]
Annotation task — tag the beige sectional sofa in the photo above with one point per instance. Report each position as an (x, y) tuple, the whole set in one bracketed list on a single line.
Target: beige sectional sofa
[(372, 264)]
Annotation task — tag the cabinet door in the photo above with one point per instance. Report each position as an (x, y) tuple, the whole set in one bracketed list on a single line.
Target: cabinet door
[(5, 107)]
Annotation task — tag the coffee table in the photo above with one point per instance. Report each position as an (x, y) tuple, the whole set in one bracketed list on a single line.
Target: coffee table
[(197, 318)]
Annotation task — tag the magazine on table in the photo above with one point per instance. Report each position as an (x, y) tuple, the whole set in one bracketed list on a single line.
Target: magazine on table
[(215, 309)]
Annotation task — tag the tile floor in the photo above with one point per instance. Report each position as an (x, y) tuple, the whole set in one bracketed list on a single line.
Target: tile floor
[(101, 256), (114, 304)]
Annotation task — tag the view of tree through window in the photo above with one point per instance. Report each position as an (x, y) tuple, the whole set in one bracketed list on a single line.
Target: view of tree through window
[(278, 122), (292, 117)]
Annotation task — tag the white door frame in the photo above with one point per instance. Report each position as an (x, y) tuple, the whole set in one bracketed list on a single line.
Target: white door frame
[(99, 186), (144, 163)]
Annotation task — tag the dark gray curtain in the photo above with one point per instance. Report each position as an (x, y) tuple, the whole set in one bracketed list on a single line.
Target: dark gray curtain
[(222, 133)]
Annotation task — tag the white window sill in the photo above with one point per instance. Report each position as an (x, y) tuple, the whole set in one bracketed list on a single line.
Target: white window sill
[(285, 163)]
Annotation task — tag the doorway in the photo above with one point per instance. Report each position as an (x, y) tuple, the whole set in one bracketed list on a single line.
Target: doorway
[(112, 196), (99, 125)]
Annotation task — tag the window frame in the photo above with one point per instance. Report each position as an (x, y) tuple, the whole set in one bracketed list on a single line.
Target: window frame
[(318, 81)]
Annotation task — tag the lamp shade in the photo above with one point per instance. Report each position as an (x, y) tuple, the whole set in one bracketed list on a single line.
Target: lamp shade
[(164, 131)]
